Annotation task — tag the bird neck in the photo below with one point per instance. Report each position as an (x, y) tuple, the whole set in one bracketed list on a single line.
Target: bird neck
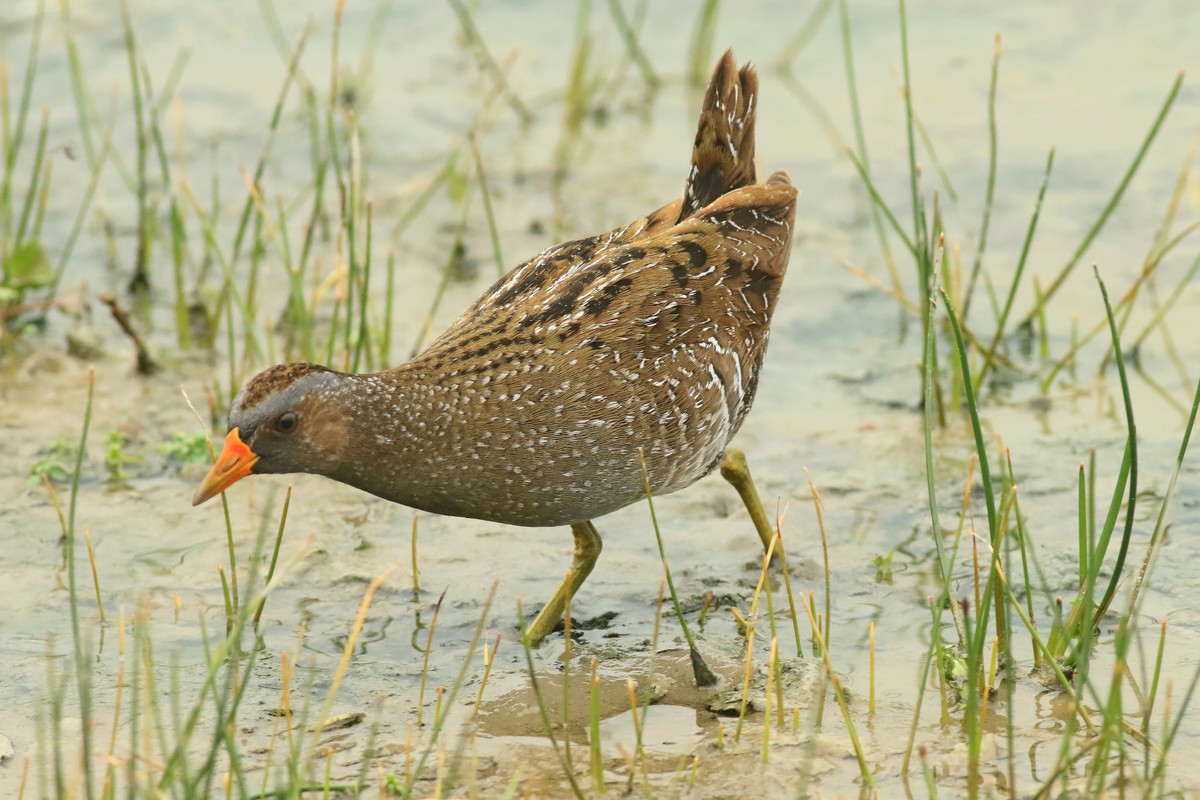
[(401, 440)]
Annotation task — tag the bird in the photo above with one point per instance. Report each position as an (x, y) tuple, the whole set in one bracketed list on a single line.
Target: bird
[(595, 371)]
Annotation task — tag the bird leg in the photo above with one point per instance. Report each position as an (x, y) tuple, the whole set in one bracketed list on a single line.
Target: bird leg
[(587, 550), (736, 471)]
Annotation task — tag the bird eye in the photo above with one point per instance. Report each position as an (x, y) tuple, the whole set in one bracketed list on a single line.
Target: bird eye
[(287, 422)]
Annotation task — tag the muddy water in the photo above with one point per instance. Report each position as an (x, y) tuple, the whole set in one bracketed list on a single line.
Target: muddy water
[(838, 397)]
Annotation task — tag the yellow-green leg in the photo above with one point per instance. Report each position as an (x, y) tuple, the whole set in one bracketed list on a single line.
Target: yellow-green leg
[(736, 471), (587, 550)]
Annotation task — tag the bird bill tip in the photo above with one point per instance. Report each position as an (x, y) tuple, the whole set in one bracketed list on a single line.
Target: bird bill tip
[(235, 462)]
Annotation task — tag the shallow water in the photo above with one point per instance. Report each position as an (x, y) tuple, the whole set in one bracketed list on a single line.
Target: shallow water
[(839, 395)]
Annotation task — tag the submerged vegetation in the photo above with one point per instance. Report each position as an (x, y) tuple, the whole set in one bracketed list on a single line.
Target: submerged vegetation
[(305, 257)]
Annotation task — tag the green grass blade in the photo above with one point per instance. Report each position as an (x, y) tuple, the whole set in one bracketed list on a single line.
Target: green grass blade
[(83, 665), (1131, 427)]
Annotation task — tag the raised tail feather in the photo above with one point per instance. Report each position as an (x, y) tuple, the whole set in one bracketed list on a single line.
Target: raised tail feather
[(723, 155)]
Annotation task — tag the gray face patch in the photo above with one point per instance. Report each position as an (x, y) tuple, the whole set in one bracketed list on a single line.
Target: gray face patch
[(275, 390)]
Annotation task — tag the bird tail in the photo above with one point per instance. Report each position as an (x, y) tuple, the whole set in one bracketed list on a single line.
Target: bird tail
[(723, 155)]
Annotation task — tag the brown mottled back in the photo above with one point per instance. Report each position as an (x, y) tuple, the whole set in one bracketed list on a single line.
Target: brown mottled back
[(649, 337)]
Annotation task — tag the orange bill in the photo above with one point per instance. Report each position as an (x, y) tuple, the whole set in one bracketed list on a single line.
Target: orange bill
[(232, 465)]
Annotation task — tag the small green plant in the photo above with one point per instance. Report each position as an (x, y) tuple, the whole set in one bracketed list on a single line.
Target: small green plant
[(883, 567), (115, 457), (52, 468), (953, 668), (25, 268), (51, 462), (185, 448)]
